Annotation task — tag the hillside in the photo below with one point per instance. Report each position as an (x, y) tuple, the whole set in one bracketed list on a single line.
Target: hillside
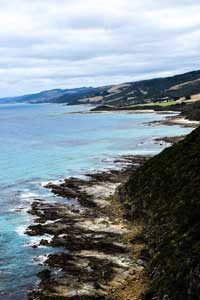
[(165, 194), (153, 90), (126, 94), (70, 96)]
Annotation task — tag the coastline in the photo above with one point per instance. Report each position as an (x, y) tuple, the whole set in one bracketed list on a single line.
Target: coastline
[(99, 246), (59, 143), (177, 118), (99, 253), (180, 120), (169, 139)]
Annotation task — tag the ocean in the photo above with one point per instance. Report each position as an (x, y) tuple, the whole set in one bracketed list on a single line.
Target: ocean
[(46, 142)]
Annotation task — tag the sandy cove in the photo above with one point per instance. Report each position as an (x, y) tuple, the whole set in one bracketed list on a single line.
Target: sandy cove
[(176, 120), (101, 255)]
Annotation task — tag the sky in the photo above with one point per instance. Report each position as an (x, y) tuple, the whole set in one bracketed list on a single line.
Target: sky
[(51, 44)]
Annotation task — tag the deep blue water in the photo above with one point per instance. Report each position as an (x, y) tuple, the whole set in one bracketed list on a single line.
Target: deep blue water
[(46, 142)]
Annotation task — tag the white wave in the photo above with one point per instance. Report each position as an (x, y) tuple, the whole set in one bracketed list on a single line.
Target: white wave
[(19, 209), (48, 237), (27, 195), (40, 259), (57, 182), (21, 230), (51, 222), (35, 240), (108, 159), (62, 235)]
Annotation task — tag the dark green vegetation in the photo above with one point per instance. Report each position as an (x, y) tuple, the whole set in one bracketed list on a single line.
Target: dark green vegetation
[(191, 111), (165, 193), (139, 92)]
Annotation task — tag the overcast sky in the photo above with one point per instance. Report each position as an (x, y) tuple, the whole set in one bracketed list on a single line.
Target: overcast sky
[(47, 44)]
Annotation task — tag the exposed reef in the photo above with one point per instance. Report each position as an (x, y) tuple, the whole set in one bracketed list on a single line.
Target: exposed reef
[(169, 139), (99, 248)]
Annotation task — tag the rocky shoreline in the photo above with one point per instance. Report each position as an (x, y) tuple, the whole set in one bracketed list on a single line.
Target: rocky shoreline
[(100, 250), (176, 120), (179, 118), (169, 139)]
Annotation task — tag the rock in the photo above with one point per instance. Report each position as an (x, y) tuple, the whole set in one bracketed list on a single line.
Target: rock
[(104, 108), (91, 241), (35, 230), (44, 274), (44, 242)]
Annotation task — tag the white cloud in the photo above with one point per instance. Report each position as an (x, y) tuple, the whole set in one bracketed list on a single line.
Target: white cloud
[(48, 44)]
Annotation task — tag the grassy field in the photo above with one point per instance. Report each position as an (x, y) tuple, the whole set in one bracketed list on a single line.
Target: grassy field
[(164, 103), (194, 98)]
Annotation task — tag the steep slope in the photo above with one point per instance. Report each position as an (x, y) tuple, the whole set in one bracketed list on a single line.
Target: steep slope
[(165, 193)]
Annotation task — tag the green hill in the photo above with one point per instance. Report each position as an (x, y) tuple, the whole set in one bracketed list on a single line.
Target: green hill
[(165, 193), (152, 90)]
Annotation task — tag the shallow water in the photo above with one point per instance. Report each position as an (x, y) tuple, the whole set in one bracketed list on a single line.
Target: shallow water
[(46, 142)]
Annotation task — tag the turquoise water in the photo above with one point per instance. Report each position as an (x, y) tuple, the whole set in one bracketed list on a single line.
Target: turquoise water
[(46, 142)]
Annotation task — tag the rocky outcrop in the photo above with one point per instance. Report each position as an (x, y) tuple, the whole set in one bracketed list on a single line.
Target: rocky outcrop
[(96, 252), (103, 108)]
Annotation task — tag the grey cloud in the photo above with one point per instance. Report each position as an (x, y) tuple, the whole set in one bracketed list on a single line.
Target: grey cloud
[(44, 44)]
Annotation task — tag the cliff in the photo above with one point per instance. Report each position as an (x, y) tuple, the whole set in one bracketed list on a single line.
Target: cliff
[(165, 194)]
